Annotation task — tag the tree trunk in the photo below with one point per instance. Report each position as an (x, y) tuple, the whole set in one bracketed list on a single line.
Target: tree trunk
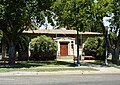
[(12, 53), (4, 44), (115, 51), (115, 56)]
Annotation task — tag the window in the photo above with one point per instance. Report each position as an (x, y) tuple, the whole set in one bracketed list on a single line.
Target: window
[(72, 44), (80, 42)]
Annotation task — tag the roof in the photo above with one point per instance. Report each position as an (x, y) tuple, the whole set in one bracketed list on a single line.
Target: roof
[(59, 31)]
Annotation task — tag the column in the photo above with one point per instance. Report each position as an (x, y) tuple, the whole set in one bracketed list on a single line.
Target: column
[(58, 50)]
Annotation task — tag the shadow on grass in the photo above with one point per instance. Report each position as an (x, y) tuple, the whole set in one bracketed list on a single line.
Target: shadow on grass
[(29, 64), (64, 63), (102, 63)]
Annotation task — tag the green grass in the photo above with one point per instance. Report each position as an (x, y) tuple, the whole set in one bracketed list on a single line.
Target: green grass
[(44, 69), (59, 69), (110, 64), (29, 64), (40, 66), (7, 70), (114, 65)]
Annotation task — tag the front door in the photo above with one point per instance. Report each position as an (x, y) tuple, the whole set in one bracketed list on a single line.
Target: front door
[(64, 49)]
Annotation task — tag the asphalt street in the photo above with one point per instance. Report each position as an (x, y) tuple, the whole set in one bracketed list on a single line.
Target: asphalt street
[(61, 79)]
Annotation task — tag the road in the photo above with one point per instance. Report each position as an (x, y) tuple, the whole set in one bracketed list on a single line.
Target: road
[(62, 79)]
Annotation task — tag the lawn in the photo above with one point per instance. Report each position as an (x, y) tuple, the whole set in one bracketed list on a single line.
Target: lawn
[(41, 66), (29, 64), (101, 62)]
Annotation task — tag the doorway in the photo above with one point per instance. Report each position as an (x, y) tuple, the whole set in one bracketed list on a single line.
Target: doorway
[(63, 48)]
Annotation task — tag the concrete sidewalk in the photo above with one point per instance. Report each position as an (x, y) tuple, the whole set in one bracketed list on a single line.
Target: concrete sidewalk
[(107, 69), (101, 70)]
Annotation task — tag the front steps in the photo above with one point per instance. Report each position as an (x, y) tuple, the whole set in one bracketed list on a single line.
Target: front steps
[(65, 57)]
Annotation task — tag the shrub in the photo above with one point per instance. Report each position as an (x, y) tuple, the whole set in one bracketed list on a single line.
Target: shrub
[(94, 47), (43, 48)]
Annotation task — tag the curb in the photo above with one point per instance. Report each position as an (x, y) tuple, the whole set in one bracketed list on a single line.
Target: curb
[(101, 70)]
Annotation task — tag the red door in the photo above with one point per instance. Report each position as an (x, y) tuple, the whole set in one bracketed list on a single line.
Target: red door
[(63, 49)]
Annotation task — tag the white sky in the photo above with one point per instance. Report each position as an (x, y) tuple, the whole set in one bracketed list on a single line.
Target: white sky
[(106, 23), (49, 27)]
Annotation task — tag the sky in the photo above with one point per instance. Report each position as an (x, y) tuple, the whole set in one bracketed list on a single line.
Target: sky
[(106, 23), (49, 26)]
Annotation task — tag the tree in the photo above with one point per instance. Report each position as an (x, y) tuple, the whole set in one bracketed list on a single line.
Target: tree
[(19, 15), (107, 8), (99, 10), (43, 47), (13, 19), (114, 36), (94, 46), (86, 14), (22, 46), (73, 14)]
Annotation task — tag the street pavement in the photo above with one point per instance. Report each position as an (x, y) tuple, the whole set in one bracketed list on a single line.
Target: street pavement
[(61, 79)]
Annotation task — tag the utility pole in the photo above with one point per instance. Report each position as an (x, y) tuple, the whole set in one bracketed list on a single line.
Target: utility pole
[(106, 47), (78, 57), (77, 29)]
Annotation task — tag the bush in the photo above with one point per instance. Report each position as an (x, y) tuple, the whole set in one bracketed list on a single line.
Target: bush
[(94, 47), (43, 48)]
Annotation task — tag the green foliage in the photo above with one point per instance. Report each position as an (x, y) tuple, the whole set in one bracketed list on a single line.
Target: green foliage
[(113, 39), (43, 46), (101, 8), (72, 13), (19, 15), (115, 25), (22, 43), (94, 47), (114, 35), (115, 21), (82, 14)]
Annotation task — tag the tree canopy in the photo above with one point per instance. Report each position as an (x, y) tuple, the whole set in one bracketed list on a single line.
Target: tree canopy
[(19, 15), (114, 35), (82, 14), (87, 15), (72, 13)]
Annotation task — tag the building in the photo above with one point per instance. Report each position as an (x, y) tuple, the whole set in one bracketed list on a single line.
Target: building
[(66, 40)]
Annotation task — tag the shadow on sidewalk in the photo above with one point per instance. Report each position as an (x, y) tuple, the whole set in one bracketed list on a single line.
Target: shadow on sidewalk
[(89, 64)]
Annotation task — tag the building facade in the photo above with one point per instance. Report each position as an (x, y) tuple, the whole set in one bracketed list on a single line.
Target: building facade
[(66, 40)]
